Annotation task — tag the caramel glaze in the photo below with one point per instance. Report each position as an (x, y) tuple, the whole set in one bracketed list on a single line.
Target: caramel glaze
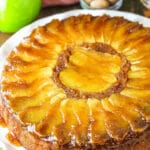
[(121, 77), (9, 136), (134, 141), (12, 139), (2, 122)]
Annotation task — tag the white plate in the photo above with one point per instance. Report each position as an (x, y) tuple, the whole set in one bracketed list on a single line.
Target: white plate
[(18, 37)]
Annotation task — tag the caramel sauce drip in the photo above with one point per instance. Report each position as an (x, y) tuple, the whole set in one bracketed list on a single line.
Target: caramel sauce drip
[(2, 122), (12, 139)]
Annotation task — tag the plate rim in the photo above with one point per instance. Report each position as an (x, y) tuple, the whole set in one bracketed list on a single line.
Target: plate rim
[(6, 47), (75, 12)]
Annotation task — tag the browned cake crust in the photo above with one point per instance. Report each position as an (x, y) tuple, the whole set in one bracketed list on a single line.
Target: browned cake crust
[(32, 142), (29, 140), (69, 87)]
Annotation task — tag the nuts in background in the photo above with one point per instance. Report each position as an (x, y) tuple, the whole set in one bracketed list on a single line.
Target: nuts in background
[(100, 3)]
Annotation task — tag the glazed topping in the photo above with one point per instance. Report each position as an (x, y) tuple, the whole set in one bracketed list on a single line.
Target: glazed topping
[(75, 73), (84, 76), (50, 81)]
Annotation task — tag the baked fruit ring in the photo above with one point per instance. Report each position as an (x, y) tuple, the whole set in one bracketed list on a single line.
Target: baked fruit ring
[(80, 83)]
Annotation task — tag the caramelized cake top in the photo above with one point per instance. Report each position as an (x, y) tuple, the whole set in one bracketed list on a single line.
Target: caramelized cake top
[(83, 80)]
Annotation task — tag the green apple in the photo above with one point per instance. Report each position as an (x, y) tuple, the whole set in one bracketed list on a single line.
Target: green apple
[(14, 14)]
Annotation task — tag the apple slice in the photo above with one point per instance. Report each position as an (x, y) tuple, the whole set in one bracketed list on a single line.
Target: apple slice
[(14, 14)]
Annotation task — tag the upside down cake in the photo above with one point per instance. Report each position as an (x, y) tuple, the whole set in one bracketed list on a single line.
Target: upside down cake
[(80, 83)]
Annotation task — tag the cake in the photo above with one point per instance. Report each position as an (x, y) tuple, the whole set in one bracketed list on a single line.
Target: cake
[(80, 83)]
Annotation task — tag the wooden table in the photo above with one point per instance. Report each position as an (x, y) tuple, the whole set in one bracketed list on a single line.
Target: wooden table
[(129, 5)]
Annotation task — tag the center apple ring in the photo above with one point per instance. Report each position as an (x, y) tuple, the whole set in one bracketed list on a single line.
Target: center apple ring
[(116, 87)]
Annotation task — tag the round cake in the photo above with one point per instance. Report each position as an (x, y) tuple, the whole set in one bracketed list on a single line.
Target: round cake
[(80, 83)]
